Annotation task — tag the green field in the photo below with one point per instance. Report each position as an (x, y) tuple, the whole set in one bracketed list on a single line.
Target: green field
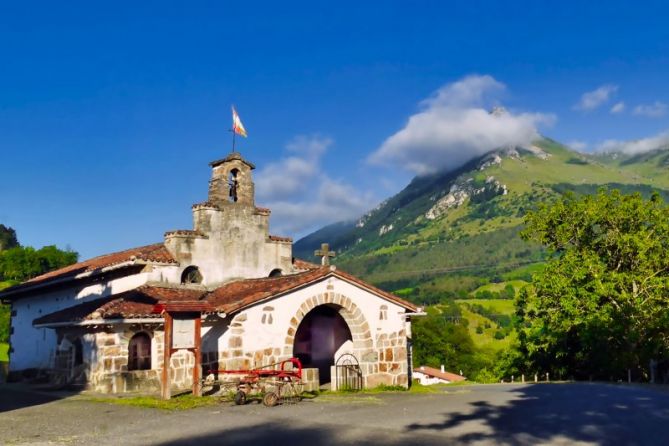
[(4, 352), (487, 338), (499, 306), (497, 287)]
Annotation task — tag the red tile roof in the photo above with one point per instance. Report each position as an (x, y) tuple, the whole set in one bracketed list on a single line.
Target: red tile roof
[(235, 296), (303, 264), (137, 303), (238, 295), (436, 373), (229, 298), (151, 253)]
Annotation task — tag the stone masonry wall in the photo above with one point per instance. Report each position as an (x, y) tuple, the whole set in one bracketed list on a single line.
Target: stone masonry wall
[(109, 371)]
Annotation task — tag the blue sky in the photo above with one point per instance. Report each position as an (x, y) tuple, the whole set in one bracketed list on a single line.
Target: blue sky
[(110, 112)]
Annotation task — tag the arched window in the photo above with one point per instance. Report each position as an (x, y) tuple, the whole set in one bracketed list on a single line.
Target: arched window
[(383, 312), (275, 272), (191, 275), (234, 185), (267, 317), (139, 352)]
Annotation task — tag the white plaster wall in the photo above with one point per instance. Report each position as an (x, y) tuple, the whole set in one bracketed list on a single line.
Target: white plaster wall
[(258, 336), (35, 347), (428, 380)]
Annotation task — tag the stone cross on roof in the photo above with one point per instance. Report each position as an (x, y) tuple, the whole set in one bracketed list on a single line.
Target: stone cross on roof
[(324, 253)]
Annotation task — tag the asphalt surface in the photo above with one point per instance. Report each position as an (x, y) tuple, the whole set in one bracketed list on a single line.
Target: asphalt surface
[(567, 413)]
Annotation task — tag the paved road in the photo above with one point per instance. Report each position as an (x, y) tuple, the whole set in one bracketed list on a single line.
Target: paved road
[(496, 414)]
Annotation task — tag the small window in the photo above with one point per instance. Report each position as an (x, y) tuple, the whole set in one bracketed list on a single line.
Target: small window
[(267, 317), (383, 312), (191, 275), (275, 273), (233, 183), (139, 352), (78, 352)]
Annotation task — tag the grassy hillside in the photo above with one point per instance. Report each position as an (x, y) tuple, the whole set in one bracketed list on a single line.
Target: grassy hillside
[(492, 329), (425, 249)]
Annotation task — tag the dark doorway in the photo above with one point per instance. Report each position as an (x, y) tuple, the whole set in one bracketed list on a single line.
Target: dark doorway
[(319, 336)]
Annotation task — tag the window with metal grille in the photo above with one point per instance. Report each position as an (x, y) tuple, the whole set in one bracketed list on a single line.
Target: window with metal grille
[(139, 352)]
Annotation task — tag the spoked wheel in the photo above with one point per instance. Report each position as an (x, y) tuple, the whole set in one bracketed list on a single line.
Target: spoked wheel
[(240, 398), (270, 399), (291, 393)]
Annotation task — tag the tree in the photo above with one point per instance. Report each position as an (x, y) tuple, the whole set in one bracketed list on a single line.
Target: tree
[(7, 238), (442, 337), (23, 263), (600, 306)]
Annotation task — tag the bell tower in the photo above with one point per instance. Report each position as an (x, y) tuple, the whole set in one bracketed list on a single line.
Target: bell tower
[(230, 237), (231, 181)]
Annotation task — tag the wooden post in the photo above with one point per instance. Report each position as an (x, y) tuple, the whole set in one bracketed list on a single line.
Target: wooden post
[(197, 351), (167, 357)]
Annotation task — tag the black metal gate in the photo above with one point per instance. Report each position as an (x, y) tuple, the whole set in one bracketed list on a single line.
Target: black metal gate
[(348, 375)]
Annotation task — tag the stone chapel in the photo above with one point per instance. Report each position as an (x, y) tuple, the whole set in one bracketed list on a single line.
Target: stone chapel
[(95, 321)]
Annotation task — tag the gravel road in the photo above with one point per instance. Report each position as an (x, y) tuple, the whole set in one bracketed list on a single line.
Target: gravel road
[(567, 413)]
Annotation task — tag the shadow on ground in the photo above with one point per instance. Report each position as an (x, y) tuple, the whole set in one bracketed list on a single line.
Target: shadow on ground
[(535, 414), (280, 434), (18, 396), (569, 413)]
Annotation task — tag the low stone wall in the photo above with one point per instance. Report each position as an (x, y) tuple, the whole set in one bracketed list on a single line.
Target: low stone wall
[(110, 372), (311, 380), (388, 364), (142, 381)]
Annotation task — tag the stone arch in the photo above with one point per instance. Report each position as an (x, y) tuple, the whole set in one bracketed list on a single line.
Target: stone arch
[(357, 324), (191, 275)]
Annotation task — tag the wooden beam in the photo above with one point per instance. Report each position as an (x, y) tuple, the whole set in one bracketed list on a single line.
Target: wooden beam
[(197, 389), (167, 358)]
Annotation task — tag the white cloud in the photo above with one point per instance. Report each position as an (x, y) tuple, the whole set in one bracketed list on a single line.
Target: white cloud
[(577, 145), (288, 176), (453, 127), (654, 110), (617, 108), (593, 99), (634, 147), (301, 195)]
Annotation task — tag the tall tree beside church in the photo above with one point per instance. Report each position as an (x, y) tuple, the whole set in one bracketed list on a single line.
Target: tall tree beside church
[(20, 263), (601, 305), (7, 238), (23, 263)]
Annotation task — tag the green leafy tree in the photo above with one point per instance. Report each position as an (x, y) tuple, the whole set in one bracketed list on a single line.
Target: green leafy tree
[(22, 263), (600, 306), (7, 238), (442, 337)]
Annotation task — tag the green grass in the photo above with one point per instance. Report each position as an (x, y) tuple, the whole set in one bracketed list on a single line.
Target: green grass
[(181, 402), (4, 352), (486, 340), (499, 306)]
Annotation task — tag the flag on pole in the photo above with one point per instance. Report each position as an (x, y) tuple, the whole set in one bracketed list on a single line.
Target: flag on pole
[(237, 125)]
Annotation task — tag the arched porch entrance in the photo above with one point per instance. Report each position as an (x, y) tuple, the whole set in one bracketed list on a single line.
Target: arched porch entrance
[(320, 334)]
